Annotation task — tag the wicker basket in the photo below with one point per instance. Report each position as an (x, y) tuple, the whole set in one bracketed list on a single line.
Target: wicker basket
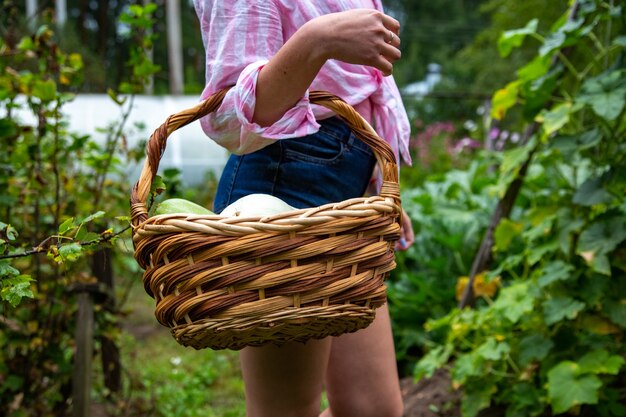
[(230, 282)]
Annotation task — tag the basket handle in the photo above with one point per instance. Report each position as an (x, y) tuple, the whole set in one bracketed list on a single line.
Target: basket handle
[(359, 126)]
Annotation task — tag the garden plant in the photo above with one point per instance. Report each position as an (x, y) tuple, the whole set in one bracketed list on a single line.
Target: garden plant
[(514, 288), (550, 339)]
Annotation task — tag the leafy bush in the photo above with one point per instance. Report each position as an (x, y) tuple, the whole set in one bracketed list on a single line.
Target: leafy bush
[(449, 213), (62, 199), (550, 341)]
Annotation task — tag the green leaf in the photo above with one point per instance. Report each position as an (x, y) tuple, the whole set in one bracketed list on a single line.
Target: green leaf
[(66, 226), (555, 271), (158, 186), (113, 95), (84, 235), (620, 41), (601, 237), (467, 365), (433, 360), (537, 253), (538, 92), (601, 362), (569, 228), (507, 264), (11, 232), (504, 99), (45, 90), (524, 396), (6, 270), (12, 383), (591, 192), (616, 312), (476, 398), (16, 288), (145, 68), (514, 301), (561, 308), (26, 44), (514, 38), (536, 68), (567, 388), (69, 252), (577, 142), (43, 31), (534, 347), (514, 159), (555, 118), (149, 8), (506, 231), (8, 128), (601, 264), (92, 217), (606, 94), (493, 350), (554, 41)]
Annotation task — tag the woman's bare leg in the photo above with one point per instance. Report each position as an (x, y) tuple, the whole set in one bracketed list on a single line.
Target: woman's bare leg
[(362, 376), (285, 381)]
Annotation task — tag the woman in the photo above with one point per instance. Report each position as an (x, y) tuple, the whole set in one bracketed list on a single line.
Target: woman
[(273, 52)]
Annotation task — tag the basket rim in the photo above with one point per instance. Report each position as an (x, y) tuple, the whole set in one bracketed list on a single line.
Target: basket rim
[(157, 143)]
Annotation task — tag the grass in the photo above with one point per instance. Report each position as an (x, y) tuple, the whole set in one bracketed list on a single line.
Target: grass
[(162, 378), (165, 379)]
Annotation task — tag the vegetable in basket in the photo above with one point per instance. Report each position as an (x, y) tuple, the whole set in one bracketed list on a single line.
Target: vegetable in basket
[(180, 205), (255, 205)]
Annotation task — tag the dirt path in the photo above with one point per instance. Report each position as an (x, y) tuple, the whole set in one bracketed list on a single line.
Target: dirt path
[(432, 397)]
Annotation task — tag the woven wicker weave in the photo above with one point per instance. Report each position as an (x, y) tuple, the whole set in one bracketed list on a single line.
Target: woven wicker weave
[(230, 282)]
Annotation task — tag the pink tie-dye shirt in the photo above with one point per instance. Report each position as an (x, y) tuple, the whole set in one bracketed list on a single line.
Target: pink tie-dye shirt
[(240, 36)]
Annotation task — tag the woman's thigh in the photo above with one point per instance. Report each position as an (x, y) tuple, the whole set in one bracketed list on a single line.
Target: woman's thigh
[(362, 377), (285, 381)]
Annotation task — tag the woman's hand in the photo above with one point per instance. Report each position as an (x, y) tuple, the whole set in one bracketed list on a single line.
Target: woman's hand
[(360, 36), (407, 237)]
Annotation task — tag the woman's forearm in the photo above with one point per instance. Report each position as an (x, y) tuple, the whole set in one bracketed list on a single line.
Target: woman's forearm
[(285, 78), (361, 36)]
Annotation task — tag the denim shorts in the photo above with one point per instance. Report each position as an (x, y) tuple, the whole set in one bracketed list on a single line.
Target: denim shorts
[(329, 166)]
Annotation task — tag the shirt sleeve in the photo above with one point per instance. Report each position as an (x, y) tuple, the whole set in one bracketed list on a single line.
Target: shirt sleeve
[(240, 36)]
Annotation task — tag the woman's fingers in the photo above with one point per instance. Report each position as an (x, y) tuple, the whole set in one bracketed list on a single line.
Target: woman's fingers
[(407, 236), (359, 36), (393, 39), (389, 54), (391, 24), (391, 49)]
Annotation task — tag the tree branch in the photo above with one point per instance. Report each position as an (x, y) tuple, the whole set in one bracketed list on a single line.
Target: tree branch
[(44, 246)]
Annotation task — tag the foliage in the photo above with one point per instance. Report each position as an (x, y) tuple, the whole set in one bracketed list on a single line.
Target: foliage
[(197, 384), (63, 195), (437, 148), (461, 37), (97, 31), (165, 379), (479, 67), (433, 32), (448, 212), (550, 342)]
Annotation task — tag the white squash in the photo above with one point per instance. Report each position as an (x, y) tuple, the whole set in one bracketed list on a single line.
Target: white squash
[(256, 205)]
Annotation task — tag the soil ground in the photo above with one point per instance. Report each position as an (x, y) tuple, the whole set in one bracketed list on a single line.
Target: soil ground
[(430, 397)]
